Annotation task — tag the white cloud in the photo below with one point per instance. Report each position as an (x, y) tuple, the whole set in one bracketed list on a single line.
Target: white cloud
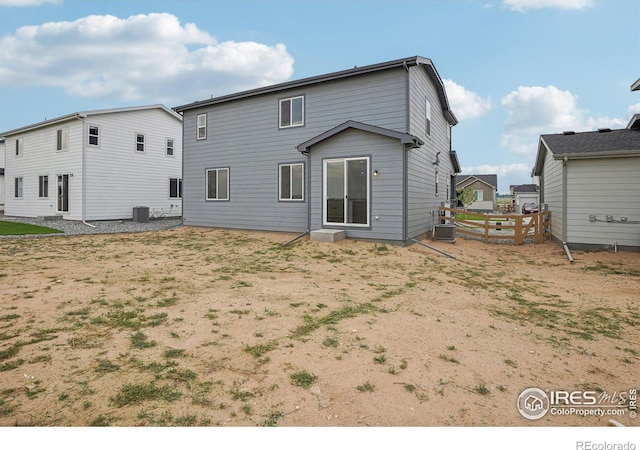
[(465, 104), (28, 2), (634, 109), (532, 111), (143, 58), (523, 5)]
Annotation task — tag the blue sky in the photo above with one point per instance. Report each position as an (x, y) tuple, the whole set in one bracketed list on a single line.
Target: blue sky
[(513, 69)]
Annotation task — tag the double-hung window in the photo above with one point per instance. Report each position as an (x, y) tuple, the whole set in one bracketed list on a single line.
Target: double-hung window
[(43, 186), (62, 139), (291, 182), (140, 142), (201, 125), (175, 188), (292, 112), (170, 147), (218, 184), (94, 135), (18, 187)]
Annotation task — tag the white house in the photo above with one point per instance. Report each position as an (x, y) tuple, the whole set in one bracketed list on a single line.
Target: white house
[(96, 165)]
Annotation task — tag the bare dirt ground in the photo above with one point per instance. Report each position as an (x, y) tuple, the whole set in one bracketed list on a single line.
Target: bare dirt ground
[(202, 327)]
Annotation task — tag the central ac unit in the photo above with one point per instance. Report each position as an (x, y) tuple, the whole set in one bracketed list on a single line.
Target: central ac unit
[(445, 232)]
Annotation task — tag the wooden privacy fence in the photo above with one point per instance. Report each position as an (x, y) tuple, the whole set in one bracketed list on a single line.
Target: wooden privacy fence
[(519, 228)]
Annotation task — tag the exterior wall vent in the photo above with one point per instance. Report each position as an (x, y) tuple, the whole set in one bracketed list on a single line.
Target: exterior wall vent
[(604, 130), (446, 232), (568, 133)]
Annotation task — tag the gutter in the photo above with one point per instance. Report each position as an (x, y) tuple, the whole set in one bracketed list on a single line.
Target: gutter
[(564, 202)]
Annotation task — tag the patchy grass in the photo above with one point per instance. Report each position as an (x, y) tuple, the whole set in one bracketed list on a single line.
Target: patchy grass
[(19, 229)]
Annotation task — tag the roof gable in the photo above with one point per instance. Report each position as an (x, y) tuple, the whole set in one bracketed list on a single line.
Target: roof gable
[(356, 71), (404, 138), (491, 180)]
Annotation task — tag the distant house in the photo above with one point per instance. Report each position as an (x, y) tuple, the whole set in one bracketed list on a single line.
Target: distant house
[(590, 182), (95, 165), (365, 150), (523, 193), (484, 189)]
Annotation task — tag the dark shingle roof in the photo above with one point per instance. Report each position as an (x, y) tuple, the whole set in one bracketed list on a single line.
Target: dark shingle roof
[(489, 179), (593, 142), (522, 188)]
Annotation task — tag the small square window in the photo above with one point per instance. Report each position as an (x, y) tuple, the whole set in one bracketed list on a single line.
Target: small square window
[(292, 112), (218, 184), (427, 115)]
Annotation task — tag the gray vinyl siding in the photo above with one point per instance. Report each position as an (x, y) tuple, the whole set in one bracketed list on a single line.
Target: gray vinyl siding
[(552, 193), (422, 202), (386, 190), (243, 135), (603, 187)]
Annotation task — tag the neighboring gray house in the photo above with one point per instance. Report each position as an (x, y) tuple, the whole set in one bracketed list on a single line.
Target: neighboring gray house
[(484, 189), (366, 150), (590, 182), (524, 193)]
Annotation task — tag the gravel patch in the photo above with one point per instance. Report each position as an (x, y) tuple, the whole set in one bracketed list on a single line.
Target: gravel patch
[(74, 227)]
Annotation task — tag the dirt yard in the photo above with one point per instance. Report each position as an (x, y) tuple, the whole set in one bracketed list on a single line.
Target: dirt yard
[(199, 327)]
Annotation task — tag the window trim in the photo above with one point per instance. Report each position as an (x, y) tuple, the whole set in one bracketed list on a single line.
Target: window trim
[(62, 135), (203, 127), (143, 143), (427, 117), (18, 187), (206, 184), (90, 135), (178, 188), (42, 186), (290, 100), (172, 147), (290, 199), (19, 147), (478, 195)]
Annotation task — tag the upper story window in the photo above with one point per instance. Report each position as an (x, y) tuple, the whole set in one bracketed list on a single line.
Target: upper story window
[(62, 139), (292, 112), (291, 182), (427, 116), (19, 145), (170, 147), (94, 135), (140, 142), (201, 124)]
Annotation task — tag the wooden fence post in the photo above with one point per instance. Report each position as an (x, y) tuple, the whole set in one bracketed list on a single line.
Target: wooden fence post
[(518, 231)]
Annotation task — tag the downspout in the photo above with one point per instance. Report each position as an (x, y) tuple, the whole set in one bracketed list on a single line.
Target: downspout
[(84, 172), (405, 157), (308, 189), (564, 209)]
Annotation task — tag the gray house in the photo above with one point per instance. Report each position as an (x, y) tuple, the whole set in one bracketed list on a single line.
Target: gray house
[(590, 182), (365, 150)]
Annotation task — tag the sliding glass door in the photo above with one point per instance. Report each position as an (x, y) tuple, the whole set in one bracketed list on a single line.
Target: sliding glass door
[(346, 192)]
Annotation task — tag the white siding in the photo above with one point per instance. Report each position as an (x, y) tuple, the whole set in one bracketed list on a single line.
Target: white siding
[(603, 187), (40, 157), (120, 178), (2, 187)]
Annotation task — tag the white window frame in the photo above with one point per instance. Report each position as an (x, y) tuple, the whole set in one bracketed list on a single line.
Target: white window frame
[(217, 171), (95, 136), (18, 186), (19, 146), (139, 143), (478, 195), (427, 117), (62, 139), (291, 123), (170, 147), (290, 198), (43, 186), (178, 182), (346, 181), (201, 126)]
